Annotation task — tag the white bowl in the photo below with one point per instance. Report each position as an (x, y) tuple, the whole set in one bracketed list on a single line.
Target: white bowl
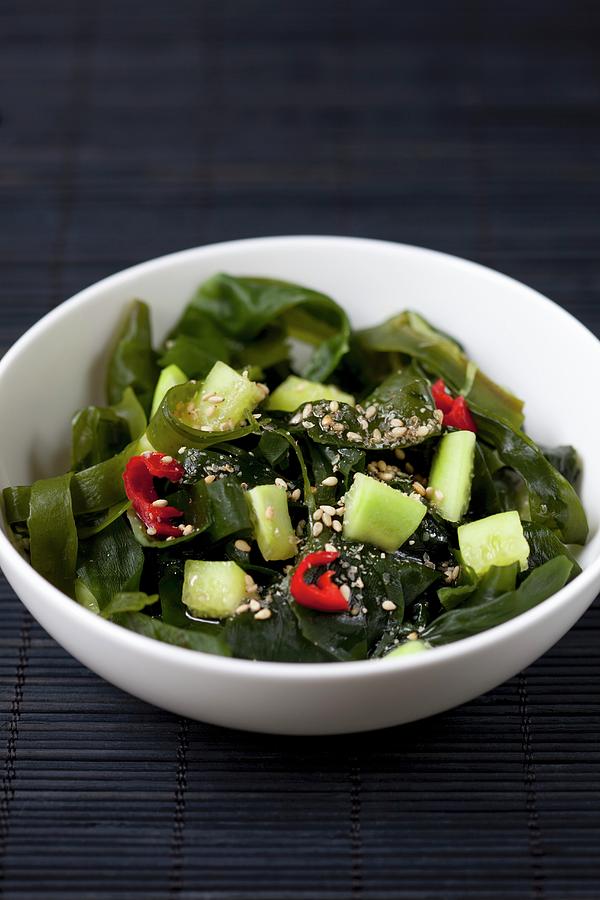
[(520, 338)]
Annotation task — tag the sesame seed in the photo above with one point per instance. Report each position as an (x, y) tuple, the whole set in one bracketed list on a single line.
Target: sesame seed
[(280, 483), (254, 605), (244, 486), (376, 435), (334, 406), (244, 546), (209, 478), (181, 527), (269, 512), (296, 419), (159, 503), (331, 481), (188, 530), (345, 591), (327, 519), (338, 426), (295, 495), (381, 465), (317, 515), (419, 489), (182, 449), (330, 548), (326, 422), (422, 431), (340, 511), (307, 411), (413, 636), (147, 453), (409, 468), (263, 614), (370, 412), (429, 493), (388, 605), (398, 432), (215, 398), (151, 530), (171, 538), (205, 428), (336, 525), (308, 424), (353, 436), (328, 509), (386, 476), (242, 608), (399, 453), (166, 460), (359, 583), (317, 529), (226, 426)]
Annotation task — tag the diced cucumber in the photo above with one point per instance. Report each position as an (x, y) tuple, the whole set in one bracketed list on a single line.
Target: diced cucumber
[(377, 514), (170, 377), (294, 391), (494, 541), (407, 649), (225, 399), (213, 589), (271, 519), (452, 473)]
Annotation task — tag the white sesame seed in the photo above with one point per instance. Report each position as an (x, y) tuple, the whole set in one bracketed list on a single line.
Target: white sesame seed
[(396, 423), (413, 636), (330, 548), (308, 424), (334, 406), (327, 520), (353, 436), (269, 512), (181, 527), (317, 529), (307, 411), (215, 398), (171, 538), (280, 483), (336, 525), (244, 546), (398, 432), (317, 515), (331, 481), (254, 605), (340, 511), (338, 427), (399, 453), (422, 431), (326, 422), (386, 476), (296, 494), (242, 608), (147, 453), (370, 412), (244, 486), (376, 435), (151, 530), (263, 614), (166, 460), (381, 465), (388, 605), (182, 449), (345, 591), (419, 489), (159, 503), (359, 583), (188, 530), (296, 419), (328, 509), (209, 478)]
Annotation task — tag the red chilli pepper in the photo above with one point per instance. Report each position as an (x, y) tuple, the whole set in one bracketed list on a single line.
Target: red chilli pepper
[(139, 476), (324, 595), (456, 412)]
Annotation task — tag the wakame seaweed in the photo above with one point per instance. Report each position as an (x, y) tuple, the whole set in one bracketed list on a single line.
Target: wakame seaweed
[(279, 532)]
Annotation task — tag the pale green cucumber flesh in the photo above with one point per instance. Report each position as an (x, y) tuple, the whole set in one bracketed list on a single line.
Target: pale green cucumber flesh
[(451, 474), (169, 378), (497, 540), (294, 391), (377, 514), (270, 516), (225, 399), (407, 649), (213, 590)]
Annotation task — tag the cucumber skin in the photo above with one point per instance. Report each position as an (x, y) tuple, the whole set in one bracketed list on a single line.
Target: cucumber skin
[(275, 537)]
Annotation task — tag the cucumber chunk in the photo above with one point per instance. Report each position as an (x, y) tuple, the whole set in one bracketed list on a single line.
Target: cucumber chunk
[(407, 649), (377, 514), (273, 528), (213, 589), (452, 473), (225, 399), (494, 541), (294, 391), (170, 377)]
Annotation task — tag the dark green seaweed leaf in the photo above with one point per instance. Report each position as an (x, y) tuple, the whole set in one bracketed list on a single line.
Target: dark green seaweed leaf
[(566, 459), (128, 601), (133, 362), (111, 562), (206, 638), (544, 545), (463, 622), (52, 531)]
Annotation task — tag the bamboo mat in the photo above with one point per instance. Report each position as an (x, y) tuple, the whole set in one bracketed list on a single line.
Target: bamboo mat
[(132, 129)]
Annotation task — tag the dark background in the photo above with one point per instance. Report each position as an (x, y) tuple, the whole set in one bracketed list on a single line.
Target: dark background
[(131, 129)]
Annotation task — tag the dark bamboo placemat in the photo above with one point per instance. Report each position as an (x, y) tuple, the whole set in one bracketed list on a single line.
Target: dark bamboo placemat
[(131, 129)]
